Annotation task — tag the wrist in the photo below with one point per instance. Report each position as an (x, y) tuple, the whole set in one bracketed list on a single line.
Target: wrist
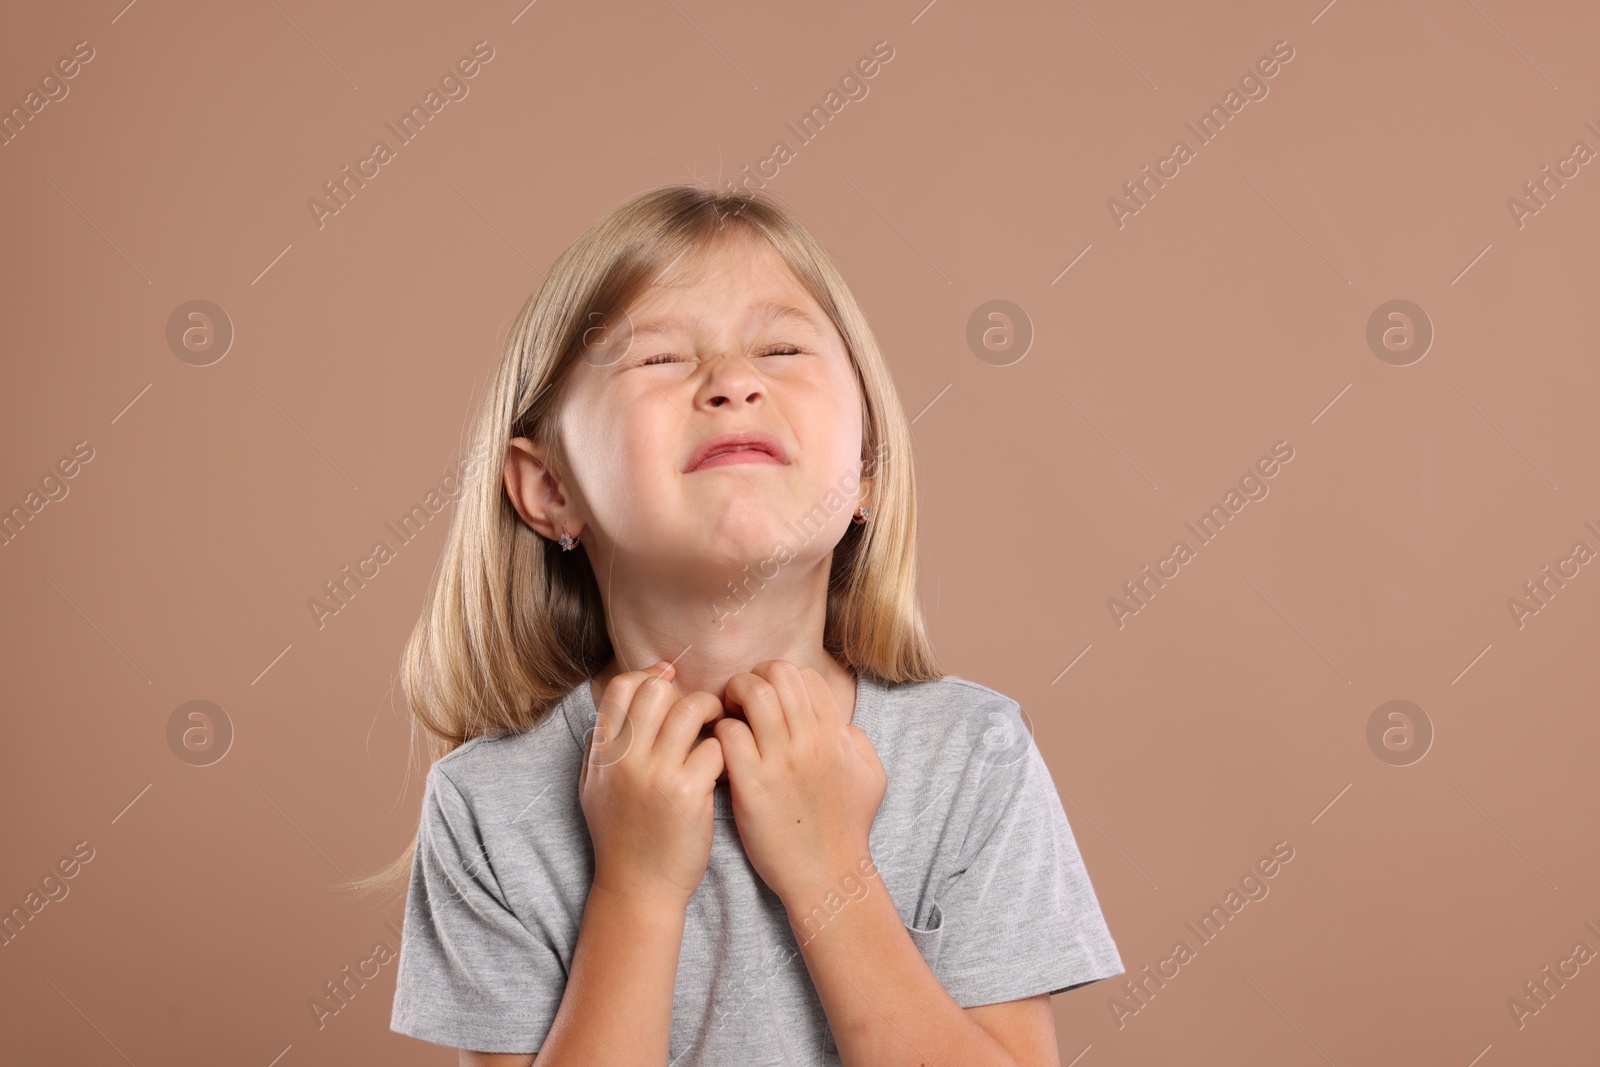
[(641, 905), (832, 884)]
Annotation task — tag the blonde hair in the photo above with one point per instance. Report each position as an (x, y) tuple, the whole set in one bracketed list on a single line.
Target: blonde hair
[(513, 623)]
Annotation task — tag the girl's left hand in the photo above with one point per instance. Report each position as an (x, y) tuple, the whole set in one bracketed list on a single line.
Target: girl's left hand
[(805, 782)]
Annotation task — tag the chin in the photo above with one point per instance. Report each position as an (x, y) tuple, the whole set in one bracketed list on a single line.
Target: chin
[(737, 541)]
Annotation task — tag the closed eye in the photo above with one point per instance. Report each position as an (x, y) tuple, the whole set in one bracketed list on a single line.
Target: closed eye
[(775, 350)]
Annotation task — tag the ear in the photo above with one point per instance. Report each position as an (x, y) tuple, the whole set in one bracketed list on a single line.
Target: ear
[(869, 478), (863, 496), (535, 490)]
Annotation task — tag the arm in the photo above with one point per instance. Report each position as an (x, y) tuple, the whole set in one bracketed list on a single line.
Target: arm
[(616, 1010), (496, 1059), (1025, 1027), (886, 1007)]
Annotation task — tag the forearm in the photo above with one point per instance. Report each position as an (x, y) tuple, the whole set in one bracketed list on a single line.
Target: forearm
[(616, 1010), (884, 1006)]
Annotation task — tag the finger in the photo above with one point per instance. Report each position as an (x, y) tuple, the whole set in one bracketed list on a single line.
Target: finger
[(793, 696), (823, 701), (863, 745), (684, 720), (630, 711), (583, 767), (740, 753), (618, 693), (705, 763), (756, 697)]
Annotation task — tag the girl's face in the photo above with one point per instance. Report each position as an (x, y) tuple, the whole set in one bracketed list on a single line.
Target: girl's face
[(737, 346)]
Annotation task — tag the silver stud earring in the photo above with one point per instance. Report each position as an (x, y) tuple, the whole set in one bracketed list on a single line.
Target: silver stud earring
[(862, 512)]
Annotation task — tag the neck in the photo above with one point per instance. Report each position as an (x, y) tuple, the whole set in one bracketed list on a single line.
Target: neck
[(710, 632)]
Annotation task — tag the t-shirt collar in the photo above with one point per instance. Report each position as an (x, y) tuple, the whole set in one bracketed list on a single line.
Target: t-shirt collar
[(580, 712)]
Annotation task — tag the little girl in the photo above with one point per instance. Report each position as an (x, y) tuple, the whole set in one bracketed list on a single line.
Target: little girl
[(701, 794)]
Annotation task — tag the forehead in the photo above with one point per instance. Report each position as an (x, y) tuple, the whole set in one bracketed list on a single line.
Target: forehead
[(758, 313), (742, 278)]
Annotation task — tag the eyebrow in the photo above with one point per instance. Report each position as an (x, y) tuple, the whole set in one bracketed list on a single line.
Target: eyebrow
[(766, 311)]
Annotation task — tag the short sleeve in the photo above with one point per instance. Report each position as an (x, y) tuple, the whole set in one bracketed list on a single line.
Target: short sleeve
[(471, 974), (1019, 916)]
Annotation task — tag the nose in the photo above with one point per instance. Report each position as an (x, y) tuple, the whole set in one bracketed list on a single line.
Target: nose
[(730, 379)]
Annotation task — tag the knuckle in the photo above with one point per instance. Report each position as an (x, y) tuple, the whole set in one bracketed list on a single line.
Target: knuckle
[(683, 791), (770, 669), (684, 708), (663, 783), (616, 691)]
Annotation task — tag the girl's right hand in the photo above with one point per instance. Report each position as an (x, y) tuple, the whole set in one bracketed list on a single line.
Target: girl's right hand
[(646, 797)]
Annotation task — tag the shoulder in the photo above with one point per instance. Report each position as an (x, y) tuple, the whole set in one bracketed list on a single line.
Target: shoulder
[(958, 718), (492, 771), (957, 754), (951, 698), (956, 688)]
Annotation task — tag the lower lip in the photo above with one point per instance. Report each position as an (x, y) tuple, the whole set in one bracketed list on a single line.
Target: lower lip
[(743, 455)]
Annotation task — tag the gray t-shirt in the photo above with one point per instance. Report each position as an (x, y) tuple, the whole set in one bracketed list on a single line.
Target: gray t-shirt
[(971, 842)]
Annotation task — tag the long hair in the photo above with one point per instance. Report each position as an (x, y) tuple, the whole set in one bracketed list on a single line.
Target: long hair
[(512, 622)]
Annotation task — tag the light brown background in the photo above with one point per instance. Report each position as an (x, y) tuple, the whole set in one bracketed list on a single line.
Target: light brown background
[(1227, 315)]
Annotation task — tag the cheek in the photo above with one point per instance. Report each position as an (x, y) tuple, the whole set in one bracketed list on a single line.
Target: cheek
[(633, 488), (828, 406), (837, 448), (625, 453)]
